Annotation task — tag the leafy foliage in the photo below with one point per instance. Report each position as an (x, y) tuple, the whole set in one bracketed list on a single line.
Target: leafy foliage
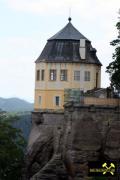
[(114, 67), (11, 149)]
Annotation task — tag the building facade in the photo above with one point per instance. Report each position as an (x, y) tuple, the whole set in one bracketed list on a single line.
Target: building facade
[(67, 61)]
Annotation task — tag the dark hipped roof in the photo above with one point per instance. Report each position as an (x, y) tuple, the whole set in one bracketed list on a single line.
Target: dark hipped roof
[(64, 47), (68, 32)]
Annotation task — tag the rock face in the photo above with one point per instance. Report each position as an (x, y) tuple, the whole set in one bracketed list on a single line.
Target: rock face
[(61, 143)]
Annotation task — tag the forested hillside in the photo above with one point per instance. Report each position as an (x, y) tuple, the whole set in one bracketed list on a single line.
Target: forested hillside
[(15, 105)]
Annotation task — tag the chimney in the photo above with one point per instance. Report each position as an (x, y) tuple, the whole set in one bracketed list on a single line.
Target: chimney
[(82, 49)]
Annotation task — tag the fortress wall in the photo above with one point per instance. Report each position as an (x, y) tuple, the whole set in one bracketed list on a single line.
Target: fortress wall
[(61, 143)]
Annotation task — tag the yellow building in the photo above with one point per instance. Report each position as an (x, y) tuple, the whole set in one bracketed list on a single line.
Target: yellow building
[(68, 60)]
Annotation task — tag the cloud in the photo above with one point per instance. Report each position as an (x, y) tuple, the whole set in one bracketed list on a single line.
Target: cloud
[(16, 78), (17, 47), (34, 6), (17, 67), (95, 17), (58, 7)]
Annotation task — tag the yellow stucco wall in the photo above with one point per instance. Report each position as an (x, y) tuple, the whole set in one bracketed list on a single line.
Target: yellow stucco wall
[(48, 99), (48, 89)]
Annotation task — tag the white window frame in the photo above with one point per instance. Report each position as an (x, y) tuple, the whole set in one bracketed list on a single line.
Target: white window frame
[(76, 75), (53, 75), (87, 76), (63, 74)]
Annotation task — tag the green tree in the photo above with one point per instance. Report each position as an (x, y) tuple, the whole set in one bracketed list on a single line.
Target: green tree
[(114, 67), (11, 149)]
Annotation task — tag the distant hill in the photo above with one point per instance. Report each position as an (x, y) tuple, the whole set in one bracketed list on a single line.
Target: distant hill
[(15, 105)]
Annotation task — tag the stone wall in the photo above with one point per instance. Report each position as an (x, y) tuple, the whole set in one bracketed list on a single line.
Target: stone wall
[(61, 143), (101, 101)]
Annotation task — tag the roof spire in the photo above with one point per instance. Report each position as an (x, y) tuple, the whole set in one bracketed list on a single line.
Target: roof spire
[(69, 19)]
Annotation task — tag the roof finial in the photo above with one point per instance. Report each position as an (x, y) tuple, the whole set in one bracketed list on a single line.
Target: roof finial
[(69, 19)]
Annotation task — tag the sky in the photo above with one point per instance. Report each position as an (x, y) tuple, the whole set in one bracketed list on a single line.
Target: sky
[(27, 24)]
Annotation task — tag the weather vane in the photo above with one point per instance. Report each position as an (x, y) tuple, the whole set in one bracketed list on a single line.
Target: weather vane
[(70, 12), (69, 19)]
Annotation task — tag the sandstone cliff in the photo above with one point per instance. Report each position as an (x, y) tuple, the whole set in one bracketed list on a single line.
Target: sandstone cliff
[(61, 143)]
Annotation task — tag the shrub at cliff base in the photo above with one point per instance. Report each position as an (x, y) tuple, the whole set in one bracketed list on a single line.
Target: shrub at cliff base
[(11, 149)]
